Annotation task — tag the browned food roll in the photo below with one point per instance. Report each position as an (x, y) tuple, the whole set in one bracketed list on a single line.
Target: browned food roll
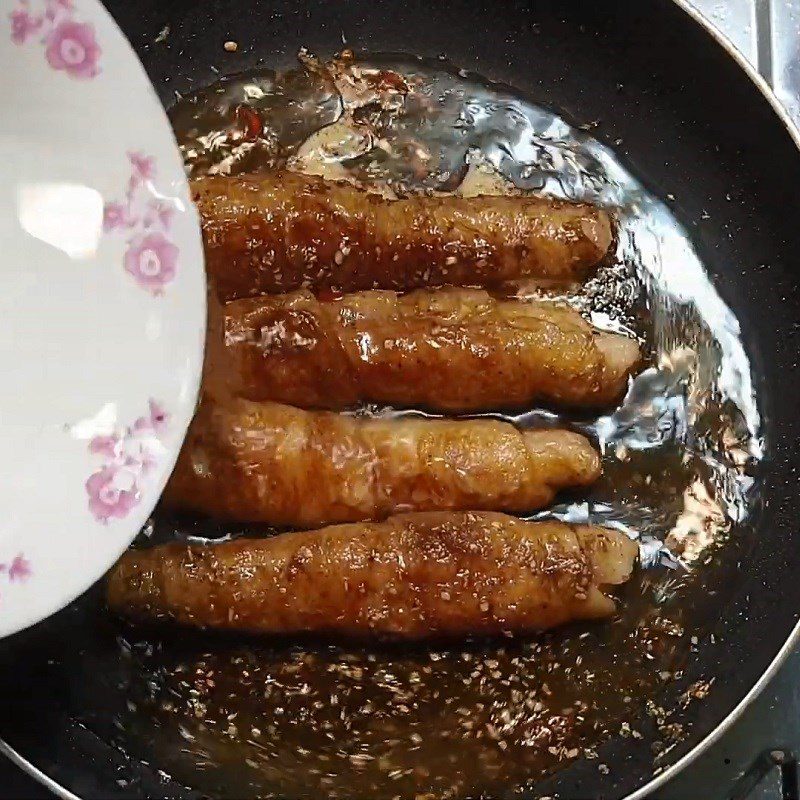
[(410, 577), (270, 463), (447, 350), (280, 231)]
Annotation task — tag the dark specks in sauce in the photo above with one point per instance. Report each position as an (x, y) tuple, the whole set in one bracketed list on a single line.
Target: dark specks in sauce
[(242, 718)]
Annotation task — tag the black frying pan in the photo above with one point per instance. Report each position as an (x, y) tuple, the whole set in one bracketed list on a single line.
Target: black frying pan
[(694, 125)]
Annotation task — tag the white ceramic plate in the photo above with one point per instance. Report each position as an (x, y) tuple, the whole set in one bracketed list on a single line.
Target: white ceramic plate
[(102, 307)]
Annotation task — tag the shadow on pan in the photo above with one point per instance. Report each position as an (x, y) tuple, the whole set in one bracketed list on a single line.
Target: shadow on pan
[(691, 125)]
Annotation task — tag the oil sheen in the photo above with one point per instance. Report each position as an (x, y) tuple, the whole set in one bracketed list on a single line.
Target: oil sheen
[(240, 718)]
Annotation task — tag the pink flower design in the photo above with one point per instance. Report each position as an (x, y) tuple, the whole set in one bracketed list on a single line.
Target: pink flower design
[(128, 455), (156, 421), (23, 25), (105, 446), (113, 492), (152, 261), (71, 47), (114, 216), (144, 167), (142, 425), (165, 215), (151, 257), (158, 213), (20, 569), (158, 416)]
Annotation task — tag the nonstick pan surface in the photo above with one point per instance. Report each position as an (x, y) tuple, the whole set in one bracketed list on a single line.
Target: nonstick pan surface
[(690, 124)]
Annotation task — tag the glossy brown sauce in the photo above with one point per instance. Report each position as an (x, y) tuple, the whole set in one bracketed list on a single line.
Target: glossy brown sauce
[(245, 718)]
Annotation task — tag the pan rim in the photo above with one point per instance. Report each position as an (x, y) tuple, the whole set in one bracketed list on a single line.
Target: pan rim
[(43, 779), (793, 638)]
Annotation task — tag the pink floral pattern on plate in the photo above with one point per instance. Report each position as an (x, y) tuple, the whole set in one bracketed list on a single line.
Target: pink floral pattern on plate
[(18, 570), (151, 257), (128, 456), (69, 45)]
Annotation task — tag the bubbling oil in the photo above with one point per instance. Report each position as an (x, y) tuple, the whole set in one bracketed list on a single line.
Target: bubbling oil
[(246, 719)]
